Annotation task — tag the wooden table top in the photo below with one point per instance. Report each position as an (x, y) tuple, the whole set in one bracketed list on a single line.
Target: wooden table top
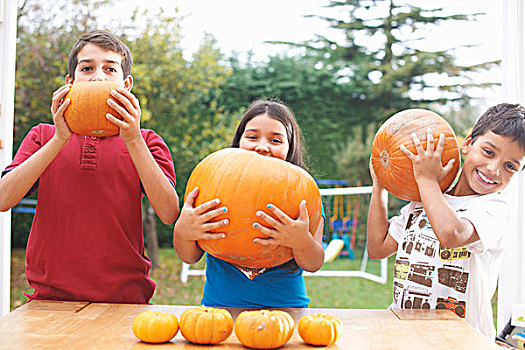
[(82, 325)]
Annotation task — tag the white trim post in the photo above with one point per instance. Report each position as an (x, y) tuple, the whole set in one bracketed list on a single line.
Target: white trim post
[(8, 10), (511, 287)]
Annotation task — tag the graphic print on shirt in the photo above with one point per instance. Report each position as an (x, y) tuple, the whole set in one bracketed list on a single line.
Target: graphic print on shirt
[(449, 254), (416, 298), (427, 274)]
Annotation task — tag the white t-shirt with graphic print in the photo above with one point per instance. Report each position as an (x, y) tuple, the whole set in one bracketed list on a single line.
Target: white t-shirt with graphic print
[(429, 275)]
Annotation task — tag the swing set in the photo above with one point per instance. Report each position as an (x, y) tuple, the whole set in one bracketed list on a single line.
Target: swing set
[(342, 212)]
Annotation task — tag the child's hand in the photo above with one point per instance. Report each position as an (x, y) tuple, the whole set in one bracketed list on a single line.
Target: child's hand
[(285, 231), (129, 121), (194, 223), (58, 107), (427, 163), (375, 179)]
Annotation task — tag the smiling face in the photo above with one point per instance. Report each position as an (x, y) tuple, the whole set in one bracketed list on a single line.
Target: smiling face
[(266, 136), (98, 64), (490, 163)]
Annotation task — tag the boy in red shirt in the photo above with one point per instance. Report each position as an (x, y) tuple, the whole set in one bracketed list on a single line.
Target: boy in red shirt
[(86, 241)]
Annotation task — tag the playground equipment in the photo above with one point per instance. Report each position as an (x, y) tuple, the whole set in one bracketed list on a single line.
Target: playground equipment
[(342, 213)]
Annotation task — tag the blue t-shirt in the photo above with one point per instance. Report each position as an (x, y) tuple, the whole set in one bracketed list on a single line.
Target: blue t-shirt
[(281, 286)]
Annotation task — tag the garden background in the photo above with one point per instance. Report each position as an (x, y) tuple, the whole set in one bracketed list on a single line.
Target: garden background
[(340, 90)]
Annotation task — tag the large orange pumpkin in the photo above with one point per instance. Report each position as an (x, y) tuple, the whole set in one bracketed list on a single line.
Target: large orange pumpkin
[(86, 114), (393, 168), (264, 329), (246, 182)]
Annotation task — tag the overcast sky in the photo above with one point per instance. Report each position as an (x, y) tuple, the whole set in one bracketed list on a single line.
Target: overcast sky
[(243, 25)]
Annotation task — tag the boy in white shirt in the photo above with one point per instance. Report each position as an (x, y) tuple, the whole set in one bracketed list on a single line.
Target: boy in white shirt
[(449, 245)]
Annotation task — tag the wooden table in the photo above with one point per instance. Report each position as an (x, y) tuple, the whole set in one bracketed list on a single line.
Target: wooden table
[(82, 325)]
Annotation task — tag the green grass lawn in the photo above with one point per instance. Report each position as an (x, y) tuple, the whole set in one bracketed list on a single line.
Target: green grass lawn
[(326, 292)]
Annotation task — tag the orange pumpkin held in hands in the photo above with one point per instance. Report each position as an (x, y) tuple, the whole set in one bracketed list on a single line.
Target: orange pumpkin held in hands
[(264, 329), (86, 114), (320, 329), (206, 325), (393, 168), (246, 182), (155, 326)]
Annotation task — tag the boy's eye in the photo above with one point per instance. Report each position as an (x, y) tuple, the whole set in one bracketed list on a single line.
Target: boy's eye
[(510, 166), (488, 151), (85, 69), (111, 69)]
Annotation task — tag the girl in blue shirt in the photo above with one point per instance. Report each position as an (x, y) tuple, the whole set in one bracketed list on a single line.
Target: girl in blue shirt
[(270, 129)]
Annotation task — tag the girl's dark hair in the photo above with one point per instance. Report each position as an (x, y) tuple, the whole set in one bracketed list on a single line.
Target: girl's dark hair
[(104, 40), (279, 111), (504, 119)]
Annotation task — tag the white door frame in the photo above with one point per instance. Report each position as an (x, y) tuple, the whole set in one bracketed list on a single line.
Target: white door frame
[(8, 10)]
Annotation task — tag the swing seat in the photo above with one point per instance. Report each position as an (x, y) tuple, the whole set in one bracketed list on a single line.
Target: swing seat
[(337, 225), (347, 224)]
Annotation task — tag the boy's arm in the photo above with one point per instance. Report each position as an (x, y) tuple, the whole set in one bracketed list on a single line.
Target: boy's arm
[(451, 230), (378, 242), (17, 182), (160, 191)]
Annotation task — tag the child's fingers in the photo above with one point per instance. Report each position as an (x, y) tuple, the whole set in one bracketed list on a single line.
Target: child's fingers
[(58, 95), (118, 122), (441, 144), (267, 231), (204, 207), (130, 97), (430, 140), (215, 225), (417, 144), (268, 219), (209, 215), (266, 241), (212, 236), (407, 152), (192, 196), (122, 111), (119, 96), (303, 211), (278, 212), (60, 111), (449, 166)]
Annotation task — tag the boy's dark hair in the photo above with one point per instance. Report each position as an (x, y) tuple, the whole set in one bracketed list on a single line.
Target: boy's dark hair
[(106, 41), (504, 119), (279, 111)]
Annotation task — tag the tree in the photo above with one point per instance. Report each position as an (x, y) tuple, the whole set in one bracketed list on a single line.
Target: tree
[(383, 60), (313, 93), (383, 55)]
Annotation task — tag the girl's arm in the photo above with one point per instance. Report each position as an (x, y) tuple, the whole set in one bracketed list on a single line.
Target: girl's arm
[(193, 224), (379, 243), (450, 230), (307, 249)]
